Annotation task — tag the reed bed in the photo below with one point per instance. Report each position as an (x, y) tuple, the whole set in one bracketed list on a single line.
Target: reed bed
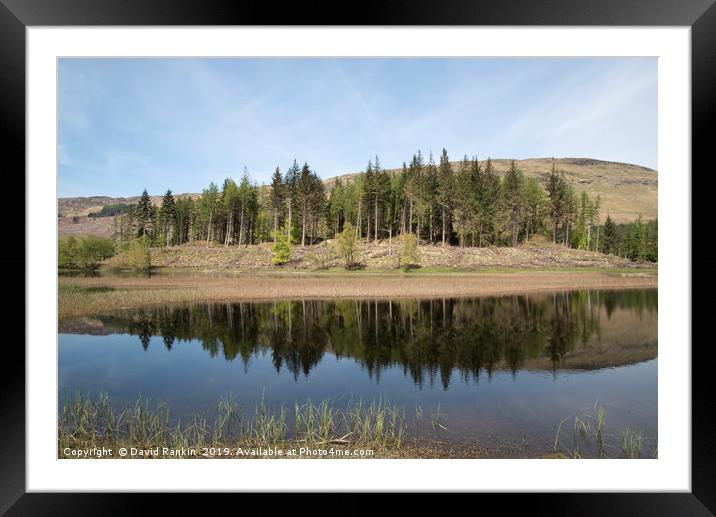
[(86, 423), (588, 438)]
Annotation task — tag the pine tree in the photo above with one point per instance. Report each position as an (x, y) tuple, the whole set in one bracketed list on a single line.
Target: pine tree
[(513, 186), (227, 208), (209, 199), (580, 236), (489, 200), (413, 186), (445, 193), (143, 214), (277, 198), (291, 179), (168, 218), (534, 199), (245, 196), (381, 192), (309, 198), (465, 206), (609, 240), (335, 209), (594, 220), (369, 192), (471, 203), (428, 198), (556, 194)]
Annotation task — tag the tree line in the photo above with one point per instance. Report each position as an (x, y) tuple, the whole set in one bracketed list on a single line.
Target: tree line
[(463, 204)]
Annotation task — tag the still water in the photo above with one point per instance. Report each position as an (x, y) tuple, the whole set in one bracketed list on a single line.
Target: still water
[(501, 371)]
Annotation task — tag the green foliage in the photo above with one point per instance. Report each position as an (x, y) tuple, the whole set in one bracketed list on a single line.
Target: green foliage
[(408, 256), (636, 241), (66, 252), (83, 253), (468, 204), (138, 256), (145, 215), (347, 244), (167, 223), (281, 250), (111, 210)]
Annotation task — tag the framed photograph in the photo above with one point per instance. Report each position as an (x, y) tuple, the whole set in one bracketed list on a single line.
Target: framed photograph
[(417, 253)]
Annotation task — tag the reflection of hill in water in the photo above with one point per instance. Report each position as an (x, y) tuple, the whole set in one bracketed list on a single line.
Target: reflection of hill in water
[(428, 338)]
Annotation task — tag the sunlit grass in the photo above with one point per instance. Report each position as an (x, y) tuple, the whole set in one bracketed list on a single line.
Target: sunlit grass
[(86, 423), (589, 438)]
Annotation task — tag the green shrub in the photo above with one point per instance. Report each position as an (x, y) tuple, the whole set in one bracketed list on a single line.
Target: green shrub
[(347, 244), (66, 253), (138, 256), (408, 256), (83, 253), (281, 250)]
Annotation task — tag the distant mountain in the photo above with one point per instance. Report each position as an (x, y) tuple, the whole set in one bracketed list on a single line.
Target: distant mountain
[(83, 206), (626, 190)]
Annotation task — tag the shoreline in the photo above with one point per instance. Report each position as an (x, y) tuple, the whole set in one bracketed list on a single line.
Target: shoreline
[(83, 296), (96, 429)]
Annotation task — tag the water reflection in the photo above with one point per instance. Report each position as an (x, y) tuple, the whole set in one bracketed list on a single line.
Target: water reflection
[(430, 340)]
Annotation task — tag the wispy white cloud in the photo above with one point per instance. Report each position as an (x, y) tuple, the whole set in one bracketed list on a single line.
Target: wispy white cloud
[(180, 123)]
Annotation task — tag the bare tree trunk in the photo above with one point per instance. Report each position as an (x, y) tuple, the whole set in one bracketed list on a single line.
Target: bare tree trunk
[(241, 224), (596, 244), (430, 225), (228, 228), (376, 220), (418, 228), (566, 236), (290, 216), (443, 227), (275, 224), (303, 228), (208, 230), (367, 227), (410, 230)]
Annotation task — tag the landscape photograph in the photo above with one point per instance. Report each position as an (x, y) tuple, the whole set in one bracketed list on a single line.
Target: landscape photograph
[(357, 258)]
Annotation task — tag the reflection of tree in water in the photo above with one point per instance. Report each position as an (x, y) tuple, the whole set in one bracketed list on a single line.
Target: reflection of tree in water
[(429, 339), (167, 326), (143, 326), (637, 300)]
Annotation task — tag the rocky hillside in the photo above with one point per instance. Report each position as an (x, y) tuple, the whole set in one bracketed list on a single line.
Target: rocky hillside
[(539, 254)]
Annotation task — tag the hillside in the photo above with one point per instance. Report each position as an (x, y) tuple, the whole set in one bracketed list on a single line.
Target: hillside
[(82, 206), (626, 191)]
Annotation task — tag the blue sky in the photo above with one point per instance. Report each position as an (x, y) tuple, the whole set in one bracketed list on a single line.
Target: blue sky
[(127, 124)]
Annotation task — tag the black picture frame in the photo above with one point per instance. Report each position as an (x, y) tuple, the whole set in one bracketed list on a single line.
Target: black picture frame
[(17, 15)]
